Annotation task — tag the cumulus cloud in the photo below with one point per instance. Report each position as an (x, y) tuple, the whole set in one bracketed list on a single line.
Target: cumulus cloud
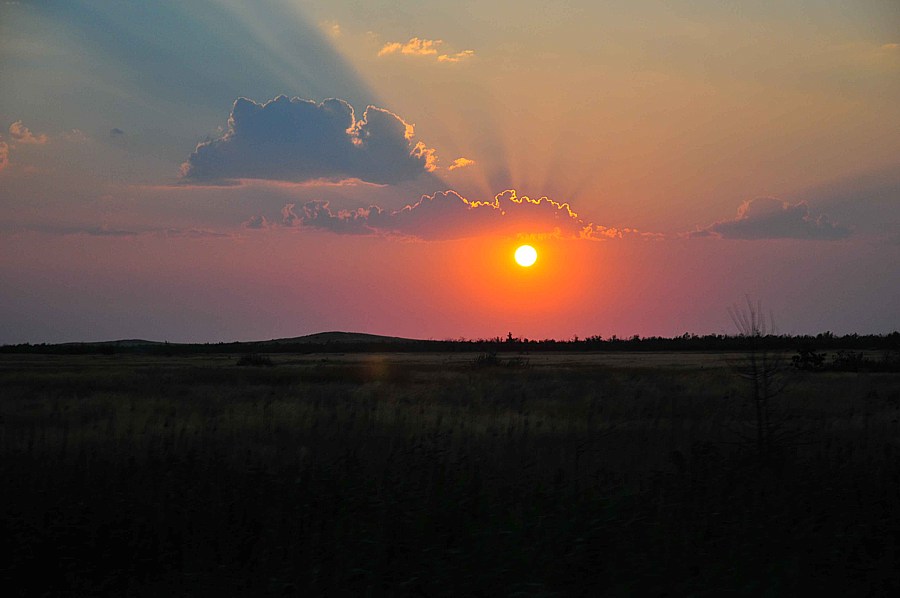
[(299, 140), (4, 155), (424, 47), (769, 218), (448, 215), (22, 134), (461, 163)]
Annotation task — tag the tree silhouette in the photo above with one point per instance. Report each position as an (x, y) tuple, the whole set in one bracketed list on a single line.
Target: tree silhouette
[(761, 367)]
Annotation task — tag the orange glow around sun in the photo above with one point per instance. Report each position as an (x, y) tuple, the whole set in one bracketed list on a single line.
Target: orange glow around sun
[(482, 276), (526, 256)]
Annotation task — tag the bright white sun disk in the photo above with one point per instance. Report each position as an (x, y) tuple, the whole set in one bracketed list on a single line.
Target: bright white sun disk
[(526, 255)]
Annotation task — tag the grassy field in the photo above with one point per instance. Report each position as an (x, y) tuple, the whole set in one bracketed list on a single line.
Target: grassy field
[(426, 475)]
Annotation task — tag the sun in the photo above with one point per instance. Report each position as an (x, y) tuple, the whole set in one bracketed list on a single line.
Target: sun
[(526, 255)]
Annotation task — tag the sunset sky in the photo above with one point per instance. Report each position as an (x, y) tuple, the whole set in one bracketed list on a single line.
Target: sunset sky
[(217, 170)]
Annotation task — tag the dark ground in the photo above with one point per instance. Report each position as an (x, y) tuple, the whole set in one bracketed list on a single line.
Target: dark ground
[(436, 475)]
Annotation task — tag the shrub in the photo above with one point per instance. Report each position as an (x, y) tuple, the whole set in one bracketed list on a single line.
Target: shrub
[(255, 360), (487, 360)]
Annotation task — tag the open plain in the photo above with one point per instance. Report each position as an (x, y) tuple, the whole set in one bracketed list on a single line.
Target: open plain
[(444, 474)]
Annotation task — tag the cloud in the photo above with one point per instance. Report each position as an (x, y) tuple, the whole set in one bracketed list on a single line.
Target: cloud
[(113, 232), (415, 46), (424, 47), (331, 28), (299, 140), (461, 163), (116, 132), (769, 218), (456, 57), (448, 215), (4, 155), (22, 134), (74, 136), (257, 222), (890, 47)]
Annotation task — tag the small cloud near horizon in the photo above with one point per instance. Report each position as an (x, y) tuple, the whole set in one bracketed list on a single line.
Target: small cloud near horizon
[(104, 230), (299, 140), (770, 218)]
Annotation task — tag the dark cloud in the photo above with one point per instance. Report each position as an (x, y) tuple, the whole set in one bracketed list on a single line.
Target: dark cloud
[(193, 233), (448, 215), (99, 231), (108, 231), (257, 222), (299, 140), (768, 218), (116, 132)]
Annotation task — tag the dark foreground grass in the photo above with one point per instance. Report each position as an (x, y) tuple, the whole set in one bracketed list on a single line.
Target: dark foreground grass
[(389, 476)]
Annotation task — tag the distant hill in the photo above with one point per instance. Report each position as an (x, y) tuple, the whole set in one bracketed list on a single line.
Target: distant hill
[(127, 342), (320, 338)]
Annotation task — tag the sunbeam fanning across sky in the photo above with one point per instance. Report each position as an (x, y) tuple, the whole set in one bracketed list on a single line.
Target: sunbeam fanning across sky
[(219, 170)]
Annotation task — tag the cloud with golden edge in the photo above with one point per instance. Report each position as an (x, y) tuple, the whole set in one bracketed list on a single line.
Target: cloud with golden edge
[(4, 155), (22, 134), (300, 141), (424, 47), (448, 215), (461, 163)]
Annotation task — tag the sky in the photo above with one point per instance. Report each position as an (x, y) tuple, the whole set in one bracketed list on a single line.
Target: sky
[(220, 170)]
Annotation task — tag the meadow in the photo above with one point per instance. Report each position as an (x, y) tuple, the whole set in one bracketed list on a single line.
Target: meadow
[(547, 474)]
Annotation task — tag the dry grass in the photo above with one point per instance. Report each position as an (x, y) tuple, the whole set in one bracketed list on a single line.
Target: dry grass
[(422, 474)]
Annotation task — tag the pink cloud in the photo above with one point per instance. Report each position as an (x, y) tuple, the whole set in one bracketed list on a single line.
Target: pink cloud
[(22, 134)]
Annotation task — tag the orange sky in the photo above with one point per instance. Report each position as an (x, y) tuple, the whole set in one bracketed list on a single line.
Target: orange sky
[(705, 153)]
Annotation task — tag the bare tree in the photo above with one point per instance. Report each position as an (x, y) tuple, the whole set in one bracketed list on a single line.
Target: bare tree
[(761, 367)]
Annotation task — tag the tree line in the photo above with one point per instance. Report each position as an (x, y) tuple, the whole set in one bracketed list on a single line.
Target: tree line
[(804, 344)]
